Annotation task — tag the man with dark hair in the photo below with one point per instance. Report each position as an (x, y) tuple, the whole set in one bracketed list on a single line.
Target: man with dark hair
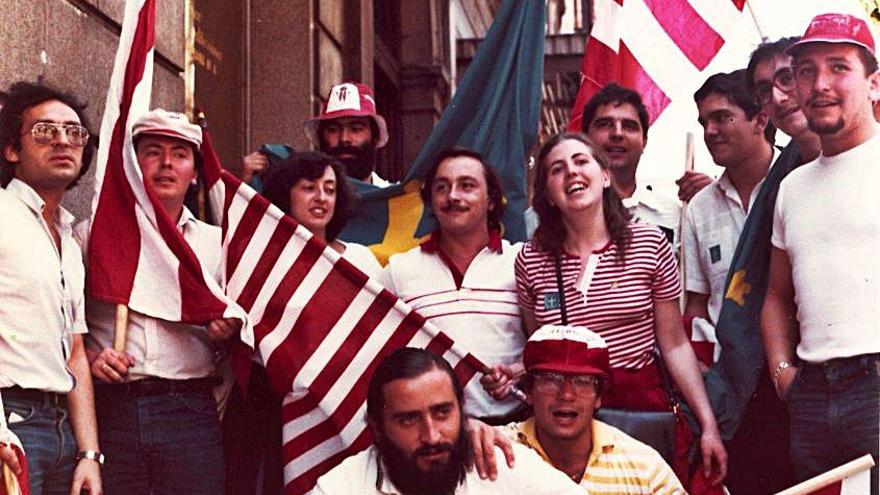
[(616, 119), (157, 416), (819, 319), (349, 128), (415, 409), (462, 278), (567, 372), (735, 131), (44, 375)]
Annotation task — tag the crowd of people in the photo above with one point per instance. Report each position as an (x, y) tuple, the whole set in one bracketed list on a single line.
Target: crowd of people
[(584, 316)]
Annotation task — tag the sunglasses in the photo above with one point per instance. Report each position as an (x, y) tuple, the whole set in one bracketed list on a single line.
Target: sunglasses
[(47, 132)]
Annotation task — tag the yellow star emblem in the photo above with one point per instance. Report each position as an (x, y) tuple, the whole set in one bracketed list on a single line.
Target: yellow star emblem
[(738, 288)]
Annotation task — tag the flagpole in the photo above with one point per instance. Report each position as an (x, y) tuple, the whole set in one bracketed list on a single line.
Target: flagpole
[(763, 36), (688, 167), (120, 334)]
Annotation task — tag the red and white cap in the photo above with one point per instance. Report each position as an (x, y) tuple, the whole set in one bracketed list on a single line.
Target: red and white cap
[(349, 99), (567, 349), (836, 28), (171, 124)]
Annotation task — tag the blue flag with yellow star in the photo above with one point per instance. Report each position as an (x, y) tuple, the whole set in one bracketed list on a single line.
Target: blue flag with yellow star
[(731, 381), (495, 111)]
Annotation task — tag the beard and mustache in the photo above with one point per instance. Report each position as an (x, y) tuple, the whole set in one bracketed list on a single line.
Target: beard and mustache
[(361, 162), (440, 479)]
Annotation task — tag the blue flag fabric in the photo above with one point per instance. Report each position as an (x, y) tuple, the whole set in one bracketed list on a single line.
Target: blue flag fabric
[(731, 381), (495, 111)]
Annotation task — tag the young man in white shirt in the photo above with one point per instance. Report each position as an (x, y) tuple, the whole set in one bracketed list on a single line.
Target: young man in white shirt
[(819, 319), (44, 375)]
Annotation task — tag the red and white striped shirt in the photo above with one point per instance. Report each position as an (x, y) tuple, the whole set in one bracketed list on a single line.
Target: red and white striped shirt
[(615, 297)]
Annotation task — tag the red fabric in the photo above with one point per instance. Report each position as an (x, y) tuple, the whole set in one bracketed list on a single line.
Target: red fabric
[(22, 479), (705, 351)]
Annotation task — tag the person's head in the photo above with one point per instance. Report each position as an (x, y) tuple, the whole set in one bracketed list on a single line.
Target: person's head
[(573, 178), (733, 125), (350, 129), (44, 137), (770, 78), (836, 77), (167, 148), (617, 121), (415, 408), (310, 187), (567, 369), (464, 191)]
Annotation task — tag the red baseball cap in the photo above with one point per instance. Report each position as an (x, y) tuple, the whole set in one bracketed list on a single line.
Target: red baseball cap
[(349, 99), (567, 349), (836, 28)]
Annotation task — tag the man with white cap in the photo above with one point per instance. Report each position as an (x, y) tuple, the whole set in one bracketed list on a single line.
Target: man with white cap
[(819, 320), (566, 372), (157, 417), (349, 128)]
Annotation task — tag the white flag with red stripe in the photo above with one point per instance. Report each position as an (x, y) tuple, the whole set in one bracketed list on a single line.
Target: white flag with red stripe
[(648, 46), (10, 483), (852, 478), (137, 256), (319, 324)]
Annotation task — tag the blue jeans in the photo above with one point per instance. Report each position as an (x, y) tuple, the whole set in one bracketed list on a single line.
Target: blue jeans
[(156, 444), (48, 443), (834, 409)]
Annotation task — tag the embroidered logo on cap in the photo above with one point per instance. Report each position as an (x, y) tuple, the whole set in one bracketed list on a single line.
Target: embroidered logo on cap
[(344, 97)]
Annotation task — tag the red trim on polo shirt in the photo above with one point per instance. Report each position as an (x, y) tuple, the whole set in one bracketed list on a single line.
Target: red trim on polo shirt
[(432, 245)]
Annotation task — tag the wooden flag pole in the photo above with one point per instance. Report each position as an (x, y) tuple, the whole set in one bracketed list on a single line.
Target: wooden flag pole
[(121, 328), (763, 36), (688, 167)]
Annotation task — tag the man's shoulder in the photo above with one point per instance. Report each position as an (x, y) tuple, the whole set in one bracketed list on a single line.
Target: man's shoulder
[(349, 475), (408, 258), (614, 440)]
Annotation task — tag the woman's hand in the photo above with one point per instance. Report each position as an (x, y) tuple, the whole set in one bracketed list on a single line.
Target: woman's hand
[(714, 455)]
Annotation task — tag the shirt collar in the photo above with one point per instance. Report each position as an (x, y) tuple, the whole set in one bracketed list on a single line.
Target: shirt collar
[(32, 200), (186, 217), (432, 243), (603, 439)]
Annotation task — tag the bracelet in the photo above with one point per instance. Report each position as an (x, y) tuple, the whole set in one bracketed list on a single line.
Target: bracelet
[(91, 455), (782, 366)]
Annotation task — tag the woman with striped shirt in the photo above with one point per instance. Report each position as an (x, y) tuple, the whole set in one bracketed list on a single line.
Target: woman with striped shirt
[(619, 280)]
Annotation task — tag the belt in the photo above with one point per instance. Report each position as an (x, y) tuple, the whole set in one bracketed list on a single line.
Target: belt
[(868, 362), (159, 386), (35, 396)]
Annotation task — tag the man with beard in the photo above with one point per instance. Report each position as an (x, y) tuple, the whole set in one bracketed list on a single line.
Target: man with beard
[(462, 278), (819, 319), (348, 128), (415, 409), (567, 372)]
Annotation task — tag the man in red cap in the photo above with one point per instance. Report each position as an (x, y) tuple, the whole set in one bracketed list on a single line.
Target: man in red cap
[(567, 371), (348, 128), (819, 320)]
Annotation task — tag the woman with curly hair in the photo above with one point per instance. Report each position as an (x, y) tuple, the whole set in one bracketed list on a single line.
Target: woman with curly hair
[(618, 279)]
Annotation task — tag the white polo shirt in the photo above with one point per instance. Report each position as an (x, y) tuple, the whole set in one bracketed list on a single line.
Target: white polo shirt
[(41, 293), (363, 474), (162, 349), (480, 313), (712, 227)]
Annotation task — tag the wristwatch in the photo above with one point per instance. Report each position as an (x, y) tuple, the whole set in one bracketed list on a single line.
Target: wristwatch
[(91, 455)]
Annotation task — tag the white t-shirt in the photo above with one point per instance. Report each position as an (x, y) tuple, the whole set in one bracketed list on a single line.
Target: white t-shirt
[(362, 258), (827, 220), (362, 474)]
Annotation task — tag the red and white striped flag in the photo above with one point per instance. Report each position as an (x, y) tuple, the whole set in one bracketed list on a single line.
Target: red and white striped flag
[(136, 254), (852, 478), (10, 484), (319, 324), (634, 42)]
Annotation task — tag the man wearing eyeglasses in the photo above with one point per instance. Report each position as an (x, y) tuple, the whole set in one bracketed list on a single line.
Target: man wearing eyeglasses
[(819, 319), (567, 371), (45, 383)]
